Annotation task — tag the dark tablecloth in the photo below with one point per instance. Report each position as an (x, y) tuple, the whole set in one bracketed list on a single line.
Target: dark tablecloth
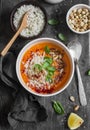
[(53, 121)]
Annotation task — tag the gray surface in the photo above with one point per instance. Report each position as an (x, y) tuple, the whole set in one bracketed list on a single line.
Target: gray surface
[(53, 11)]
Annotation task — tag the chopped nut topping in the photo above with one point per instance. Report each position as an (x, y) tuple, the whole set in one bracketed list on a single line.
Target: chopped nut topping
[(72, 98)]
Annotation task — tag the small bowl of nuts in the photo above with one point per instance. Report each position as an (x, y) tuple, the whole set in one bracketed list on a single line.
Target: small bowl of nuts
[(78, 18)]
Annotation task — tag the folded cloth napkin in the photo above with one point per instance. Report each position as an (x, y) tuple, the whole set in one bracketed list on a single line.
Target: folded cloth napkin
[(26, 111)]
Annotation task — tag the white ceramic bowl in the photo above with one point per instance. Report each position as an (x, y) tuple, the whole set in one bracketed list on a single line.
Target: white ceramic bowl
[(78, 6), (53, 1), (33, 43)]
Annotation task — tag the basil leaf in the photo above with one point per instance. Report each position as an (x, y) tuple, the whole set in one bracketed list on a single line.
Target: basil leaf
[(58, 108), (61, 37), (49, 78), (51, 69), (47, 50), (88, 72), (45, 65), (51, 73), (53, 22), (37, 67), (48, 59)]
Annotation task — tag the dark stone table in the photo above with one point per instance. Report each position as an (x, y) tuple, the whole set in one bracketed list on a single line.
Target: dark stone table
[(53, 11)]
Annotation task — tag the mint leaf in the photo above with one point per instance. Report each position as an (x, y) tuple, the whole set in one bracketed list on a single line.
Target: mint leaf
[(47, 50), (88, 72), (37, 67), (53, 22), (45, 65), (58, 108), (48, 59), (49, 78), (51, 69), (61, 37)]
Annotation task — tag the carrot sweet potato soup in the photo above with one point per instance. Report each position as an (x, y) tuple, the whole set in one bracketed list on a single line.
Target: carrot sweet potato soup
[(45, 68)]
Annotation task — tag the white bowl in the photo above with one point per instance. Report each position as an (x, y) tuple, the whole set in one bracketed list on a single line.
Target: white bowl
[(69, 12), (53, 1), (33, 43)]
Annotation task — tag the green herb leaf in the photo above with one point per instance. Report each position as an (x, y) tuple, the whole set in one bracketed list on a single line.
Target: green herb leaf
[(61, 37), (51, 73), (48, 59), (88, 72), (49, 78), (45, 65), (53, 22), (58, 108), (47, 50), (51, 69), (37, 67)]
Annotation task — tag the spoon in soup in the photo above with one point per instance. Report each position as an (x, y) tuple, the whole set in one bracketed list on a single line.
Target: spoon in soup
[(75, 49), (22, 26)]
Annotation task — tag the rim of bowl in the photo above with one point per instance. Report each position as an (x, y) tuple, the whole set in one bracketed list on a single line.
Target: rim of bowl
[(68, 13), (21, 55), (27, 3)]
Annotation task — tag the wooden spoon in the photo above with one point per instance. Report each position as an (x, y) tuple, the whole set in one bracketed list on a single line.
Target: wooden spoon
[(22, 26)]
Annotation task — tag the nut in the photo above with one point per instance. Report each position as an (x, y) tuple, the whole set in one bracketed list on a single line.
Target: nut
[(79, 19), (72, 98), (76, 108)]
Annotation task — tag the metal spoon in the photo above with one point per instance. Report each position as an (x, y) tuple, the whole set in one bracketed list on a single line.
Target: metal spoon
[(75, 49), (22, 26)]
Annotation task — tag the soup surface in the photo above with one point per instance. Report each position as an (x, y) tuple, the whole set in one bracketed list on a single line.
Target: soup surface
[(45, 68)]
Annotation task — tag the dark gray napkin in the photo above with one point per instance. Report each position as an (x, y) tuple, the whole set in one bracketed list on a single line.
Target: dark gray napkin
[(26, 111)]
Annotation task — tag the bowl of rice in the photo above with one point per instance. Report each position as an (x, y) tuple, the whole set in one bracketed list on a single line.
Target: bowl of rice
[(36, 20)]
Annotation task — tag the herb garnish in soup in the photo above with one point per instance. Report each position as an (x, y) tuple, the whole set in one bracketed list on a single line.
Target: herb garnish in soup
[(45, 68)]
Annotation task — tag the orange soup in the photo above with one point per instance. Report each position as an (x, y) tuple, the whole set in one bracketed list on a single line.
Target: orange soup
[(45, 68)]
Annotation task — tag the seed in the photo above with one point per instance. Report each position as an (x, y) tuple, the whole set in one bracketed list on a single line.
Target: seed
[(78, 30), (86, 10), (72, 98), (79, 10), (81, 30), (72, 25), (85, 20), (75, 10), (82, 23), (76, 108), (79, 18), (83, 12)]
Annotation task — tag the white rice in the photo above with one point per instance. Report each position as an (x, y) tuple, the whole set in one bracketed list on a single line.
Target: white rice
[(35, 21), (38, 82)]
